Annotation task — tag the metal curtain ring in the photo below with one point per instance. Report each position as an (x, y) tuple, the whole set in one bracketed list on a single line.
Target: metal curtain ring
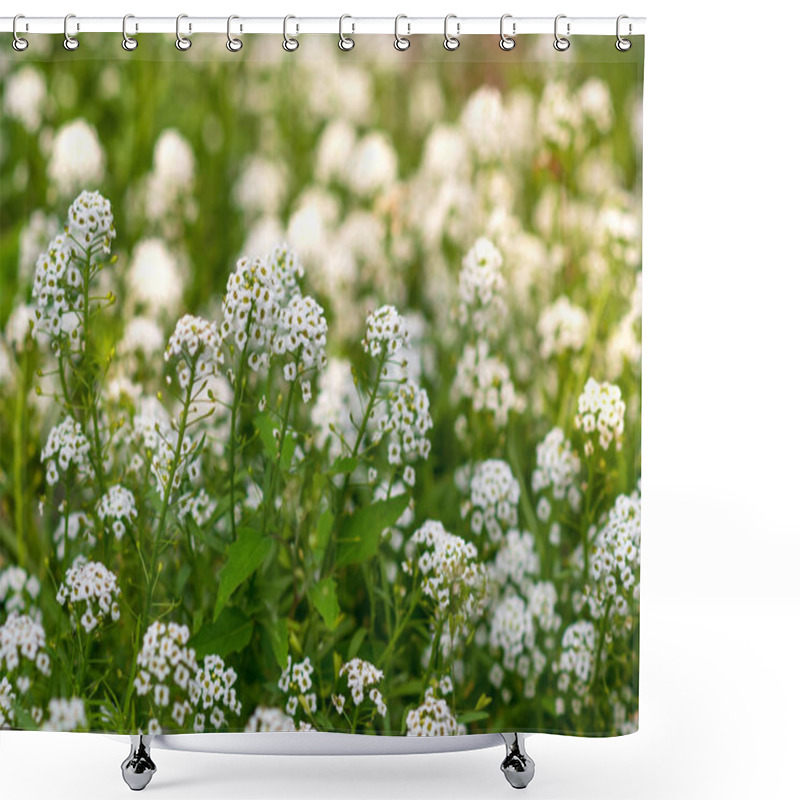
[(560, 43), (128, 43), (346, 42), (623, 45), (401, 42), (507, 42), (182, 42), (18, 43), (233, 44), (289, 44), (451, 42), (70, 42)]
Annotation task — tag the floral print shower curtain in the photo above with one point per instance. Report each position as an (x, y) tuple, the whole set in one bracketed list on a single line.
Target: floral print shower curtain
[(320, 386)]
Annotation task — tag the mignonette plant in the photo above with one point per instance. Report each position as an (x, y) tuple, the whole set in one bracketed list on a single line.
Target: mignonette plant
[(317, 414)]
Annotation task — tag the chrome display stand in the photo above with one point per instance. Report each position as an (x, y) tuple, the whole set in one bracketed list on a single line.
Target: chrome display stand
[(138, 768)]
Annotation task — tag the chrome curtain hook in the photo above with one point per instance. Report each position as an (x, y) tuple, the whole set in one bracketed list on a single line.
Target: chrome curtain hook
[(128, 43), (70, 42), (233, 44), (182, 42), (451, 42), (18, 43), (346, 42), (401, 42), (507, 42), (623, 45), (290, 44), (560, 42)]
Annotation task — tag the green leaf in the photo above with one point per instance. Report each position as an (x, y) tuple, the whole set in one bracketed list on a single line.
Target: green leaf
[(355, 642), (245, 556), (324, 528), (278, 633), (323, 596), (267, 431), (229, 634), (471, 716), (361, 532), (483, 701), (343, 464)]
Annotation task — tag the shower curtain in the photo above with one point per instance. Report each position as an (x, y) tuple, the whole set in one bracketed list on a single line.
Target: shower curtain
[(320, 386)]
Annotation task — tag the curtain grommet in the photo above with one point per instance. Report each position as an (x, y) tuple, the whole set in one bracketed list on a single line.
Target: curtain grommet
[(560, 43), (183, 43), (71, 43), (451, 42)]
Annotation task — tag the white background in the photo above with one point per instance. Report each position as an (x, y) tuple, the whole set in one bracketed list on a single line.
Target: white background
[(720, 603)]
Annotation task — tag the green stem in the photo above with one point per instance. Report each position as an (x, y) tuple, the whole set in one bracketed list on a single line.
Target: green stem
[(273, 480), (330, 550), (20, 440), (162, 520), (434, 652), (238, 393)]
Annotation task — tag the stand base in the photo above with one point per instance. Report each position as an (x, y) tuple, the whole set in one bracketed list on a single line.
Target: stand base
[(139, 767)]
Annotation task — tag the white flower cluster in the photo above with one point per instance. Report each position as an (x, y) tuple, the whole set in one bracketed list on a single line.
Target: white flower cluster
[(91, 583), (215, 684), (197, 348), (117, 507), (512, 629), (542, 599), (480, 284), (172, 177), (68, 530), (516, 560), (7, 699), (66, 264), (155, 280), (66, 714), (261, 187), (452, 576), (361, 675), (90, 223), (577, 656), (337, 405), (59, 306), (77, 157), (406, 419), (67, 447), (18, 590), (432, 718), (269, 720), (601, 410), (142, 335), (24, 97), (295, 681), (40, 229), (625, 344), (372, 165), (170, 676), (494, 497), (304, 334), (21, 636), (199, 505), (557, 468), (386, 333), (562, 326), (485, 122), (615, 557), (257, 290), (486, 382)]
